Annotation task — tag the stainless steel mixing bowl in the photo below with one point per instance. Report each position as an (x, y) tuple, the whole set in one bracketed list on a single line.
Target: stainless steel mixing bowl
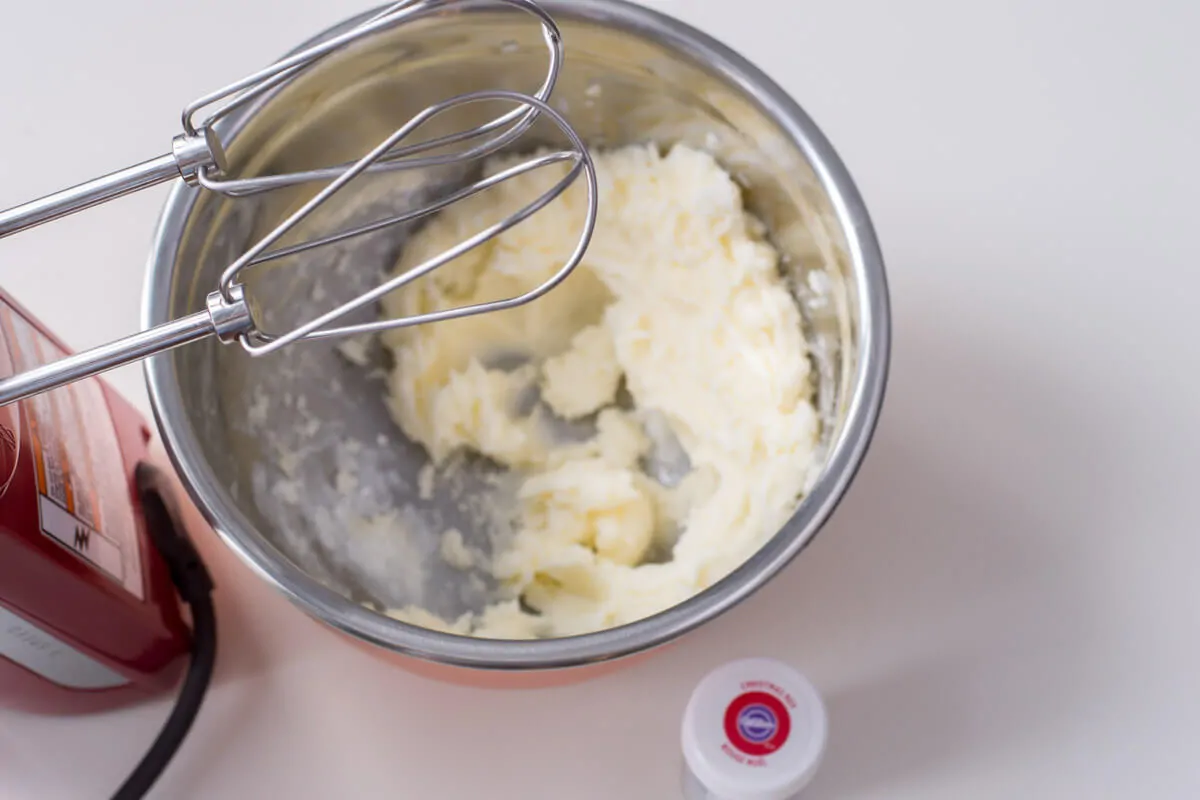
[(287, 455)]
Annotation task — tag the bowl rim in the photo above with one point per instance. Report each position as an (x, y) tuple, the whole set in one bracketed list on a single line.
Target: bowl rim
[(845, 455)]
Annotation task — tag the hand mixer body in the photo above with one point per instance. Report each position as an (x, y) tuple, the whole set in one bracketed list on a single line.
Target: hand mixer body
[(89, 617)]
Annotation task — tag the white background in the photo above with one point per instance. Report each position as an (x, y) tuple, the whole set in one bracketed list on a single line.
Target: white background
[(1006, 605)]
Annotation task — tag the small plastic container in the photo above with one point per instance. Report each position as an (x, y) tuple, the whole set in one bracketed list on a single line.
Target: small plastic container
[(754, 729)]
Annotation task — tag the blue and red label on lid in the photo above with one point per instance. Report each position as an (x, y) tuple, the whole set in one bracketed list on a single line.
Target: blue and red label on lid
[(758, 722)]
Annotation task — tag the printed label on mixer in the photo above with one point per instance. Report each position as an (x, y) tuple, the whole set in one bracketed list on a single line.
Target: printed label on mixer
[(83, 502), (42, 652)]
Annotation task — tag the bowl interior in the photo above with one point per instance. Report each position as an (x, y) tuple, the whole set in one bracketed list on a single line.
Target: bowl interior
[(300, 442)]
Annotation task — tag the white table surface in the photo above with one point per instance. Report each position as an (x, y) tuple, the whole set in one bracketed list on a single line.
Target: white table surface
[(1007, 604)]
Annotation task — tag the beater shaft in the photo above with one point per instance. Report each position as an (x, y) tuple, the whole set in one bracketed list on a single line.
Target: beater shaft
[(223, 319), (189, 155)]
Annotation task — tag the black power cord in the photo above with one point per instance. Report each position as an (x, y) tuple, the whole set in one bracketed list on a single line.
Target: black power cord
[(195, 586)]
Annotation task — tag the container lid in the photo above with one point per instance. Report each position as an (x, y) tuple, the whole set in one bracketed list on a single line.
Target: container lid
[(754, 729)]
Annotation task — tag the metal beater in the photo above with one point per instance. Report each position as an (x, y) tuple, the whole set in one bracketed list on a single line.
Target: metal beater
[(197, 157)]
